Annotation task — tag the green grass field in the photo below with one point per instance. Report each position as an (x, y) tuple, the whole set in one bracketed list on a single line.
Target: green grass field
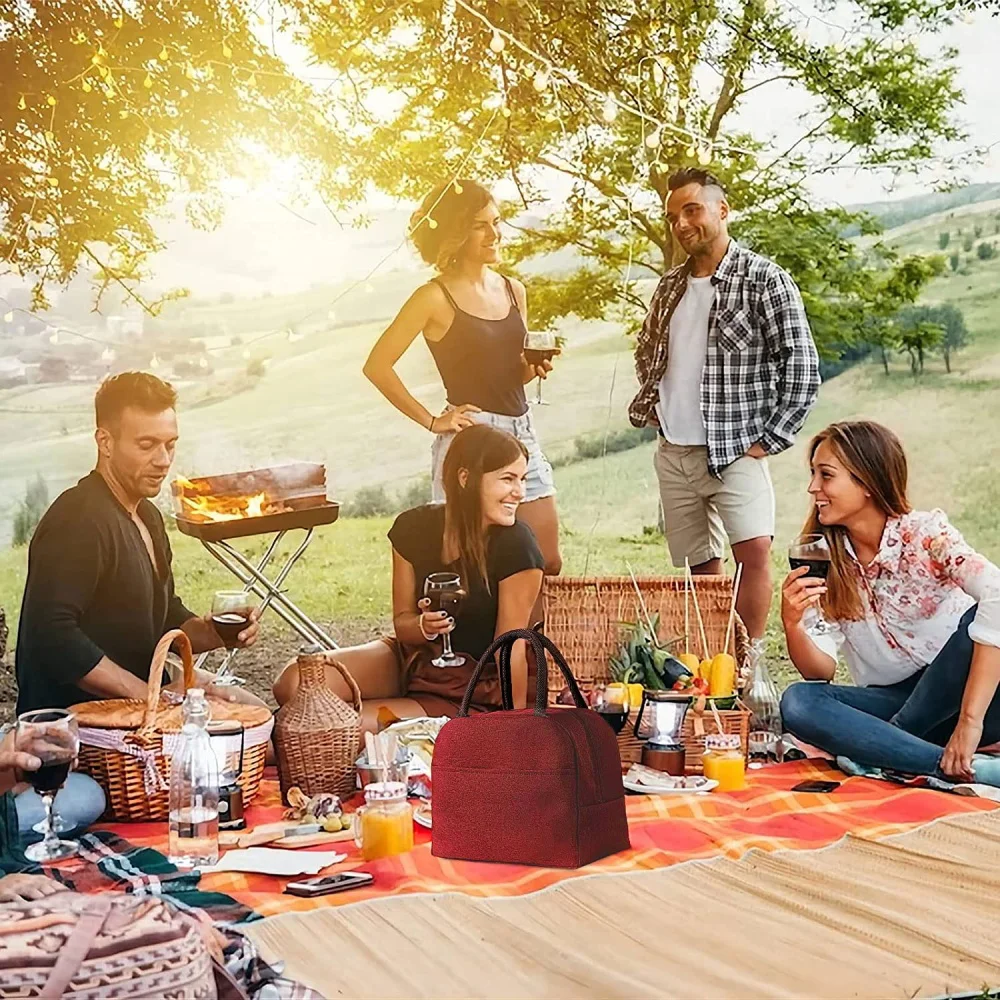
[(314, 403)]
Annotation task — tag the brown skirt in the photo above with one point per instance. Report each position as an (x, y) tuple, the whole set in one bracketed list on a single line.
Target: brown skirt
[(440, 690)]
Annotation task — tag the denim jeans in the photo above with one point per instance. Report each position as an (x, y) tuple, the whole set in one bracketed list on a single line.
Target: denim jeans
[(901, 727), (79, 802)]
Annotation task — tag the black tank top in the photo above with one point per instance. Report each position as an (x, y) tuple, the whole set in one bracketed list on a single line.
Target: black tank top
[(480, 359)]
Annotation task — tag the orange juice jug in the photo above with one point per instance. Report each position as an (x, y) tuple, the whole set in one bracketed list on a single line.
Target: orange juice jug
[(383, 826), (723, 762)]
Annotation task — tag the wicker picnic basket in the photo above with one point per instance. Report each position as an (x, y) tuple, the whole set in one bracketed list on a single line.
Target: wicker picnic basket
[(316, 734), (126, 744), (584, 617)]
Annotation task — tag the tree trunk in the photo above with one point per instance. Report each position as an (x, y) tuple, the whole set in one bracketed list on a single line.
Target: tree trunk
[(913, 361), (885, 361), (947, 360), (920, 356)]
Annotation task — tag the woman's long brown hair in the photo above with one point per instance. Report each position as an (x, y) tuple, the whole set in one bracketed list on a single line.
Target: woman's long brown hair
[(475, 450), (874, 457)]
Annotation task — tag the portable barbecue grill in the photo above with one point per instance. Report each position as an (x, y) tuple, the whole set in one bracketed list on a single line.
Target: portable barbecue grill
[(216, 509)]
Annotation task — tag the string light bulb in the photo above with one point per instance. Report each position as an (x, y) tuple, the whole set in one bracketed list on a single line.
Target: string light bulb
[(505, 111), (705, 155), (118, 21), (541, 80), (690, 152), (458, 188), (898, 45), (497, 42), (21, 103), (431, 223), (148, 82), (8, 317), (86, 86), (107, 355), (50, 101), (609, 112), (492, 101), (227, 51), (653, 139), (164, 54), (252, 80), (54, 339), (53, 182)]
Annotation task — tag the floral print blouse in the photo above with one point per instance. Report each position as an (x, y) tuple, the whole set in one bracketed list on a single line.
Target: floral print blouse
[(924, 577)]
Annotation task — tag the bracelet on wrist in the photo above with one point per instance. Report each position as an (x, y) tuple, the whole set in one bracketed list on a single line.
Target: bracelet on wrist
[(420, 625), (430, 426)]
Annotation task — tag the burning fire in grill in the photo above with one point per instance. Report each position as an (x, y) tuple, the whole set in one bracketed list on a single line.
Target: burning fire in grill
[(257, 493), (205, 507)]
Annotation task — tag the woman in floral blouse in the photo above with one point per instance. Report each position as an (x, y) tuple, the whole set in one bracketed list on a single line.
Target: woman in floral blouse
[(917, 616)]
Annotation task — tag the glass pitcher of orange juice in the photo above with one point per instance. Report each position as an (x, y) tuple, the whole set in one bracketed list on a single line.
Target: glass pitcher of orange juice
[(383, 826), (723, 762)]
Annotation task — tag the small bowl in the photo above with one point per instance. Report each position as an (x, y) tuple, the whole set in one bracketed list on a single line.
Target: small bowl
[(368, 775)]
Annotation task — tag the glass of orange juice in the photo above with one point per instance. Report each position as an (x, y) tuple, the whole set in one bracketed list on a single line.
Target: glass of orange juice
[(383, 826), (723, 762)]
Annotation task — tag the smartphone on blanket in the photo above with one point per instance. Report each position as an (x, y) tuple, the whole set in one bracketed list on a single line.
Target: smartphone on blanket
[(816, 786), (325, 884)]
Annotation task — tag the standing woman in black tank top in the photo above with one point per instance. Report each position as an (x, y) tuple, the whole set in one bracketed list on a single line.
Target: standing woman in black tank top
[(474, 321)]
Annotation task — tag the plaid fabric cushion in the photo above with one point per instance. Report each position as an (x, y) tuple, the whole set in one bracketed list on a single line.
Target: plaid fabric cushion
[(761, 371)]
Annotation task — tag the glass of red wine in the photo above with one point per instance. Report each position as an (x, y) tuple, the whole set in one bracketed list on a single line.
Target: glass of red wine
[(231, 610), (51, 735), (612, 705), (444, 591), (812, 552), (539, 347)]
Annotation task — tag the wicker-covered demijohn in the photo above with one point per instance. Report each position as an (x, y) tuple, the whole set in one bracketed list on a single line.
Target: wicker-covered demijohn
[(316, 733), (584, 617), (126, 744)]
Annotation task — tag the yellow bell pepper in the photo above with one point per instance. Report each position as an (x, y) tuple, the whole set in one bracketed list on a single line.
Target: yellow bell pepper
[(690, 660), (722, 680), (635, 696)]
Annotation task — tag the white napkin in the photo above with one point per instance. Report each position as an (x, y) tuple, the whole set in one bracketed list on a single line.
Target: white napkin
[(275, 861)]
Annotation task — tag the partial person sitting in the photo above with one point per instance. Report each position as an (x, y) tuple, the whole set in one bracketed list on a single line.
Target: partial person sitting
[(475, 534), (100, 587), (917, 615), (79, 803)]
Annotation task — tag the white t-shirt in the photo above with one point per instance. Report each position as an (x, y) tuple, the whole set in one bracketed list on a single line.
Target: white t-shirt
[(679, 405)]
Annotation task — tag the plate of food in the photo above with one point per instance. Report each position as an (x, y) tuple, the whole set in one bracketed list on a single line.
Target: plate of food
[(647, 781), (422, 815)]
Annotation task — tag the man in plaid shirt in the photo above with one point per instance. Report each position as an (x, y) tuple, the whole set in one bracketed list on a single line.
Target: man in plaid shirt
[(727, 372)]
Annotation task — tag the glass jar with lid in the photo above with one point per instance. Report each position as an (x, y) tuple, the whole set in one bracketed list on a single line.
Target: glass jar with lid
[(383, 826), (723, 762)]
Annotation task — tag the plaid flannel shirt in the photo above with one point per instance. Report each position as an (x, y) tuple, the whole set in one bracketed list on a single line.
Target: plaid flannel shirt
[(761, 372)]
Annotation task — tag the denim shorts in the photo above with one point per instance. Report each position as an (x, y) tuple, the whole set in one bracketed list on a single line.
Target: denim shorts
[(539, 483)]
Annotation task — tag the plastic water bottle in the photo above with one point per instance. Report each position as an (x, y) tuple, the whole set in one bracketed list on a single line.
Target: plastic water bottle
[(194, 790), (765, 707)]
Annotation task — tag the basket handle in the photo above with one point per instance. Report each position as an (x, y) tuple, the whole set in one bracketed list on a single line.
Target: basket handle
[(351, 682), (156, 674)]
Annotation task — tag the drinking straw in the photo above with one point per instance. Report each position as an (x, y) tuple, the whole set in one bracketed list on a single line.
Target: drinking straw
[(732, 606), (687, 628), (697, 612), (642, 604)]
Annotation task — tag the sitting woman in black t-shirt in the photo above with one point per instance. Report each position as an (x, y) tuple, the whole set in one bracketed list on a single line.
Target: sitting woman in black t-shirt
[(475, 534)]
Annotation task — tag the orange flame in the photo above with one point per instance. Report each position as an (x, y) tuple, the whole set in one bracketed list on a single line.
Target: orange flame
[(211, 508)]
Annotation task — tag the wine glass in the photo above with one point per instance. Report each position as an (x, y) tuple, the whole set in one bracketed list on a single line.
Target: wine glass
[(50, 734), (812, 552), (539, 347), (612, 705), (231, 610), (444, 591)]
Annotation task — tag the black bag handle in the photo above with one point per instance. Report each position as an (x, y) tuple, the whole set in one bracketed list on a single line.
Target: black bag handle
[(503, 644)]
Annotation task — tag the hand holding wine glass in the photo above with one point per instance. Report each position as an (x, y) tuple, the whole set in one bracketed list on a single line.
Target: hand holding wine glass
[(50, 735), (810, 553), (232, 615), (444, 592)]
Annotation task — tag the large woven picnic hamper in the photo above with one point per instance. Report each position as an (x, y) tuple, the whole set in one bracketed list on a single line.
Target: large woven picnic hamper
[(126, 744), (584, 617)]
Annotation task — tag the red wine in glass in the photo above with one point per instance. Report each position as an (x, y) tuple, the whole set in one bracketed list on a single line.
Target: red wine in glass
[(51, 776), (813, 552), (539, 347), (817, 567), (229, 625), (536, 357), (615, 716), (445, 593)]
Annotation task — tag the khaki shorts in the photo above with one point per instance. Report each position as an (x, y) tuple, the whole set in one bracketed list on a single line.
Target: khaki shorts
[(700, 511)]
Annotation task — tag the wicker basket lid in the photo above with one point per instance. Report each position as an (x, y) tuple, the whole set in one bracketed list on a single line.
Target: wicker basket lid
[(158, 713)]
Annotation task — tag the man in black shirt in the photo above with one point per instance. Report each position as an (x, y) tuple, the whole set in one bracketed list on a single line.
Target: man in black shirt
[(100, 589)]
